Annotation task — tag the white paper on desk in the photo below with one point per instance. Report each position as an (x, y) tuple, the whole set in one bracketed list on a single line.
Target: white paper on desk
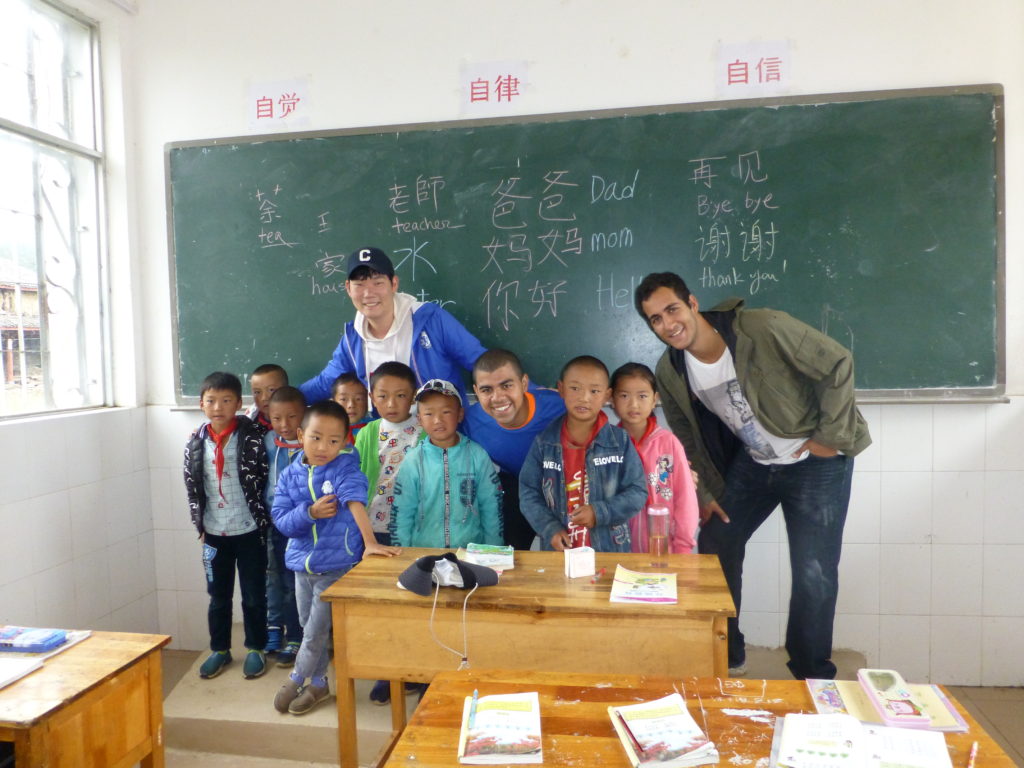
[(15, 669), (579, 561)]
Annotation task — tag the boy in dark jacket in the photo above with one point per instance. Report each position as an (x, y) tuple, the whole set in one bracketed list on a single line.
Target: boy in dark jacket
[(320, 506), (225, 477)]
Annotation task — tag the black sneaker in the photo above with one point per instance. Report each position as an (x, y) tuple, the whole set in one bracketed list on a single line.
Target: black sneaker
[(381, 692)]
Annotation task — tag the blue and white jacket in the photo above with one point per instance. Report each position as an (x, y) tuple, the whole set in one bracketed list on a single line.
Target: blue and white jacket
[(446, 497), (441, 346), (328, 544), (618, 487)]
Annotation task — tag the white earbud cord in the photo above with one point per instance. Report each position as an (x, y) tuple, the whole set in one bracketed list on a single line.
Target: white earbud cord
[(464, 664)]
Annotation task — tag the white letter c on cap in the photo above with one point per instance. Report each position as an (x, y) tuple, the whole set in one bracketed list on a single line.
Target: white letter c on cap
[(364, 255)]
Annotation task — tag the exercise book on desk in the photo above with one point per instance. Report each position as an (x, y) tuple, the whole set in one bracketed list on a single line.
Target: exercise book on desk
[(501, 729), (500, 558), (662, 733), (641, 587)]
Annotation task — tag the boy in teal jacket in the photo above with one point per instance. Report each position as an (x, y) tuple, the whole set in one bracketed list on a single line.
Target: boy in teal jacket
[(446, 492)]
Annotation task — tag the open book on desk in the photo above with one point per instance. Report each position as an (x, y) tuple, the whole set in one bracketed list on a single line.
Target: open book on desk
[(849, 697), (841, 741)]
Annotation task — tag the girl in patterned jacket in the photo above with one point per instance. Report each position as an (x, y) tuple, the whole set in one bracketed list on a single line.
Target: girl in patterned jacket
[(669, 480)]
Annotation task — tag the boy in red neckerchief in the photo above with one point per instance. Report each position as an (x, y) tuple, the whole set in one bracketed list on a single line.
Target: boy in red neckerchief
[(582, 480), (225, 478)]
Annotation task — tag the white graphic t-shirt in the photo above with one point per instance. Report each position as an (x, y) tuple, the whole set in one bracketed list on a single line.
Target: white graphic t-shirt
[(394, 441), (716, 386)]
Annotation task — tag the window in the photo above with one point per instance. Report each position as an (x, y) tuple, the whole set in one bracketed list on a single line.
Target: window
[(52, 296)]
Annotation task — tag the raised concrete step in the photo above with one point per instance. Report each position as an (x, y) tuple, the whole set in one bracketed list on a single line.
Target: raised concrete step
[(230, 714)]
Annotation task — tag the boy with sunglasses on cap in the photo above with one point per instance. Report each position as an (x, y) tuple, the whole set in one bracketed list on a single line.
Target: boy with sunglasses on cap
[(446, 491)]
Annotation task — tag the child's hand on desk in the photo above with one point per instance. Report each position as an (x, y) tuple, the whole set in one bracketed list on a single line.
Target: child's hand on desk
[(380, 550), (584, 516), (560, 541), (325, 506)]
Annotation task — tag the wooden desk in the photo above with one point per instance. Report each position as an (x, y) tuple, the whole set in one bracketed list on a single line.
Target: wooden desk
[(98, 704), (738, 716), (533, 619)]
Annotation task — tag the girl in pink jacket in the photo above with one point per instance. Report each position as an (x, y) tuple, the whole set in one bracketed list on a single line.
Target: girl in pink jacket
[(669, 480)]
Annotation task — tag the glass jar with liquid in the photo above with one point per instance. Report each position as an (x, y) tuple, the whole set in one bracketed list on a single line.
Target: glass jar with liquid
[(657, 532)]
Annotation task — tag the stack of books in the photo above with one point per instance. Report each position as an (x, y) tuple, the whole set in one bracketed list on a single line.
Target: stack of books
[(24, 649), (30, 640), (662, 733)]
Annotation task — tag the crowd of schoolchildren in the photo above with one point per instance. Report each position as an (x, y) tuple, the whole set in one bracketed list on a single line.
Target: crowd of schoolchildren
[(292, 495)]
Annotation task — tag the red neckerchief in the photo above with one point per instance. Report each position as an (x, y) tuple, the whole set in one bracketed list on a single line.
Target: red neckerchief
[(263, 420), (652, 424), (285, 444), (220, 439), (602, 419)]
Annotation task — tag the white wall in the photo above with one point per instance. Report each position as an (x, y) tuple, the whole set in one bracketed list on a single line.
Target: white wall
[(931, 578), (77, 529), (77, 545)]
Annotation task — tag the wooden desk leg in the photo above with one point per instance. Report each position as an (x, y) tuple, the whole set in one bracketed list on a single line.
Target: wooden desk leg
[(720, 648), (155, 759), (397, 707), (30, 747), (348, 748)]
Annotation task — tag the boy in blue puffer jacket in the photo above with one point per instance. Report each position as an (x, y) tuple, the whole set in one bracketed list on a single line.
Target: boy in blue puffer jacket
[(319, 505)]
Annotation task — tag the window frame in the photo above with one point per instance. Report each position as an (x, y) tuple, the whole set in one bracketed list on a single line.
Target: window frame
[(100, 279)]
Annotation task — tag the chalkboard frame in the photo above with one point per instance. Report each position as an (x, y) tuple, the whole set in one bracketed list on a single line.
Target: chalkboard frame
[(994, 393)]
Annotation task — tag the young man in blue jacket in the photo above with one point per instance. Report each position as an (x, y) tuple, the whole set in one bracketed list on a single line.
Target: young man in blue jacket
[(394, 326), (582, 480)]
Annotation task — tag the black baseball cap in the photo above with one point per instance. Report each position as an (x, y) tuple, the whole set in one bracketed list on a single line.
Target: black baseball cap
[(373, 259)]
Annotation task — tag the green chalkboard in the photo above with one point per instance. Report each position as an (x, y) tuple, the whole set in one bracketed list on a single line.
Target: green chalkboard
[(875, 217)]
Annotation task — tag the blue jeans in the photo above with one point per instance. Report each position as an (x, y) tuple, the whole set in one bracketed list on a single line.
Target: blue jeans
[(315, 616), (814, 494), (281, 610), (221, 556)]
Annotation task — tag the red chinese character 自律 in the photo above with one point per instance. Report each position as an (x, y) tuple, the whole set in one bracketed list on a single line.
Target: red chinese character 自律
[(479, 90)]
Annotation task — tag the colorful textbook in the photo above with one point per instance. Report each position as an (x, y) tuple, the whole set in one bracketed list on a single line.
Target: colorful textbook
[(501, 729), (641, 587), (30, 640), (850, 697), (662, 733)]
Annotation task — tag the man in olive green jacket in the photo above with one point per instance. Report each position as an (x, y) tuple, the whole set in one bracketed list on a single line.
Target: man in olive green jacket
[(764, 405)]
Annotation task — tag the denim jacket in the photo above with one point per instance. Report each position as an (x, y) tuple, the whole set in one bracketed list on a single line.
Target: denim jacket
[(618, 488)]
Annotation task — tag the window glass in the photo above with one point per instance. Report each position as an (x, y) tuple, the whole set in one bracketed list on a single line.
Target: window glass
[(51, 281)]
